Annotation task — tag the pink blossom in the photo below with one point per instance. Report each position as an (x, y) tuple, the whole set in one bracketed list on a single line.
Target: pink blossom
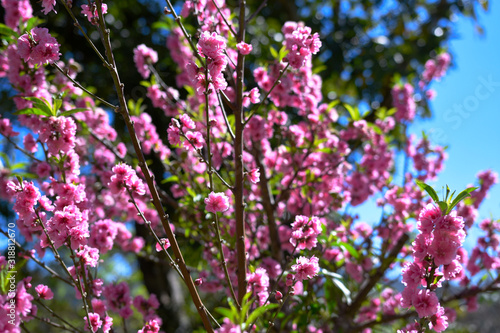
[(95, 321), (254, 176), (44, 292), (244, 48), (174, 135), (6, 128), (305, 231), (48, 5), (150, 327), (425, 302), (165, 242), (439, 321), (16, 10), (413, 273), (211, 45), (143, 57), (89, 255), (187, 122), (125, 177), (217, 202), (30, 143), (91, 12), (194, 139), (306, 268), (39, 48)]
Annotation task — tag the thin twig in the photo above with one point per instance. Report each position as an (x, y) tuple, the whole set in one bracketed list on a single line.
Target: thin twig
[(114, 107), (278, 81), (254, 14), (105, 33)]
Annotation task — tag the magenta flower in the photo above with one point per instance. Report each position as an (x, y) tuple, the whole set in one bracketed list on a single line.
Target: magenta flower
[(44, 292), (95, 321), (217, 202), (425, 302), (306, 268), (48, 5), (254, 176), (244, 48), (165, 242), (39, 48), (143, 56)]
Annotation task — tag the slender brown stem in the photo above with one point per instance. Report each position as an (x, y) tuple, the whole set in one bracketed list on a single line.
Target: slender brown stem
[(147, 174), (77, 84), (238, 164), (40, 263)]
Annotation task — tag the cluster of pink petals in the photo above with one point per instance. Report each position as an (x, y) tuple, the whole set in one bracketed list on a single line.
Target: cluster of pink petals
[(258, 283), (217, 202), (48, 5), (212, 47), (91, 12), (39, 47), (306, 268), (438, 244), (436, 68), (300, 43), (244, 48), (16, 10), (6, 128), (402, 100), (165, 242), (254, 176), (144, 56), (59, 134), (305, 232), (44, 292), (150, 327), (427, 160), (124, 177)]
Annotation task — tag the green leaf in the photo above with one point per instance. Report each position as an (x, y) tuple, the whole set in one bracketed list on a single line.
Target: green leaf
[(462, 195), (57, 105), (427, 188), (349, 248), (171, 179), (72, 111), (274, 53), (33, 111), (7, 31), (226, 313), (353, 112), (443, 206), (259, 312), (42, 104)]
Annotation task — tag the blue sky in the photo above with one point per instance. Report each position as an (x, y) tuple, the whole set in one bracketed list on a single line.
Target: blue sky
[(466, 114), (467, 107)]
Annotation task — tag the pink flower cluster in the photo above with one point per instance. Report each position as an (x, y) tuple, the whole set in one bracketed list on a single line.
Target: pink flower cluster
[(305, 232), (212, 47), (305, 268), (402, 99), (258, 283), (38, 47), (91, 12), (300, 43), (217, 202), (437, 245), (436, 68), (16, 10), (427, 160), (144, 56), (124, 177)]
